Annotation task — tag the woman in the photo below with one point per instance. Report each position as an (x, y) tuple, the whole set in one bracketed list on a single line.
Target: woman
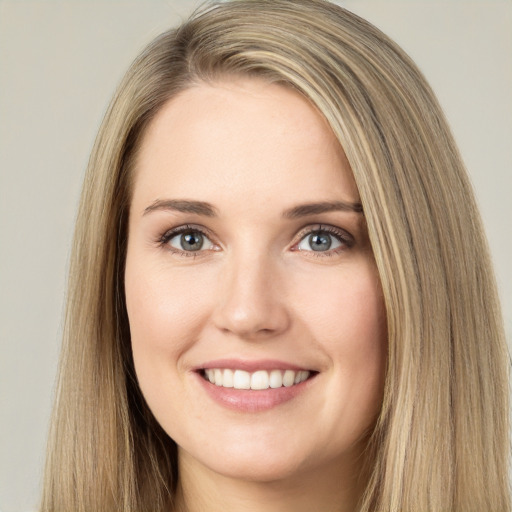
[(280, 292)]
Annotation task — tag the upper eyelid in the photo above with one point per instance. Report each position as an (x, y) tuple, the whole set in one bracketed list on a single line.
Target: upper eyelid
[(310, 228), (170, 233), (325, 228)]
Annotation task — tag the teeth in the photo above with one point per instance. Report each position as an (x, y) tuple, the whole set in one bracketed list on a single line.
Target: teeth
[(261, 379), (241, 380), (276, 379), (288, 378), (227, 379)]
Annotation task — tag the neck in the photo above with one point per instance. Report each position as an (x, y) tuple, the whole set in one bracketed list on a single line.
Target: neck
[(332, 489)]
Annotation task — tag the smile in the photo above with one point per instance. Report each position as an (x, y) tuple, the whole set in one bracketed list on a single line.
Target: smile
[(258, 380), (251, 386)]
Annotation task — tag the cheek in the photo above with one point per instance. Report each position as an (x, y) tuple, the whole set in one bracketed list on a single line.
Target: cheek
[(360, 334), (348, 323), (166, 314), (163, 307), (164, 320), (345, 308)]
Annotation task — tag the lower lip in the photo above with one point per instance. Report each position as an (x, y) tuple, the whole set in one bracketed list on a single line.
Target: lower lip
[(247, 400)]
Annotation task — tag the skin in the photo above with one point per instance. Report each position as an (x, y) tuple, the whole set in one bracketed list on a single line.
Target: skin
[(256, 290)]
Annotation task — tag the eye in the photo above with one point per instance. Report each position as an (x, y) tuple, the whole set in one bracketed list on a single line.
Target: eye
[(318, 241), (187, 239), (324, 240)]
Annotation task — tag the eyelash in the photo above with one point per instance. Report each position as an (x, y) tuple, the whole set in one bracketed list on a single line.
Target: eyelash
[(187, 228), (341, 235), (347, 241)]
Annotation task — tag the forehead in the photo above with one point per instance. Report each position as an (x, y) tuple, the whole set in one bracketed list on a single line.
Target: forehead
[(240, 136)]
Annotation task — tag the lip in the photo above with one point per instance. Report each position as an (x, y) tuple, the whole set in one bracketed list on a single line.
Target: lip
[(251, 366), (247, 400)]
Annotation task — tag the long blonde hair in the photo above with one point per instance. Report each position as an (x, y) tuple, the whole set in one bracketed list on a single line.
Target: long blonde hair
[(441, 440)]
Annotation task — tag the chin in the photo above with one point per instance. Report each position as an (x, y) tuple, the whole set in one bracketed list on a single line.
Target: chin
[(262, 469), (267, 459)]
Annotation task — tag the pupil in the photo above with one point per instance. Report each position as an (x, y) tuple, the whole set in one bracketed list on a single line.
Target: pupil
[(319, 242), (192, 241)]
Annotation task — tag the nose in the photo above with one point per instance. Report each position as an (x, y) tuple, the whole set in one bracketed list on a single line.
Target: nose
[(251, 304)]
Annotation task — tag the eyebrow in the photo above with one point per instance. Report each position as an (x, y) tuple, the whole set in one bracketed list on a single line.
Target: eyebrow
[(208, 210), (304, 210), (182, 205)]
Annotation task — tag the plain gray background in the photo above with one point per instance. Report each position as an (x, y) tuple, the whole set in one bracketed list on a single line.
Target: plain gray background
[(59, 64)]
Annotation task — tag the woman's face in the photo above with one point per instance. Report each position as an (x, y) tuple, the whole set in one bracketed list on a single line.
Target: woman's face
[(248, 265)]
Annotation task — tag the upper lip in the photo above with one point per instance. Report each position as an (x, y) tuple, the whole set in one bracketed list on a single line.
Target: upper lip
[(251, 365)]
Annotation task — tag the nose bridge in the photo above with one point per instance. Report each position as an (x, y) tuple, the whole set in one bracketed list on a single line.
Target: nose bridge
[(251, 304)]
